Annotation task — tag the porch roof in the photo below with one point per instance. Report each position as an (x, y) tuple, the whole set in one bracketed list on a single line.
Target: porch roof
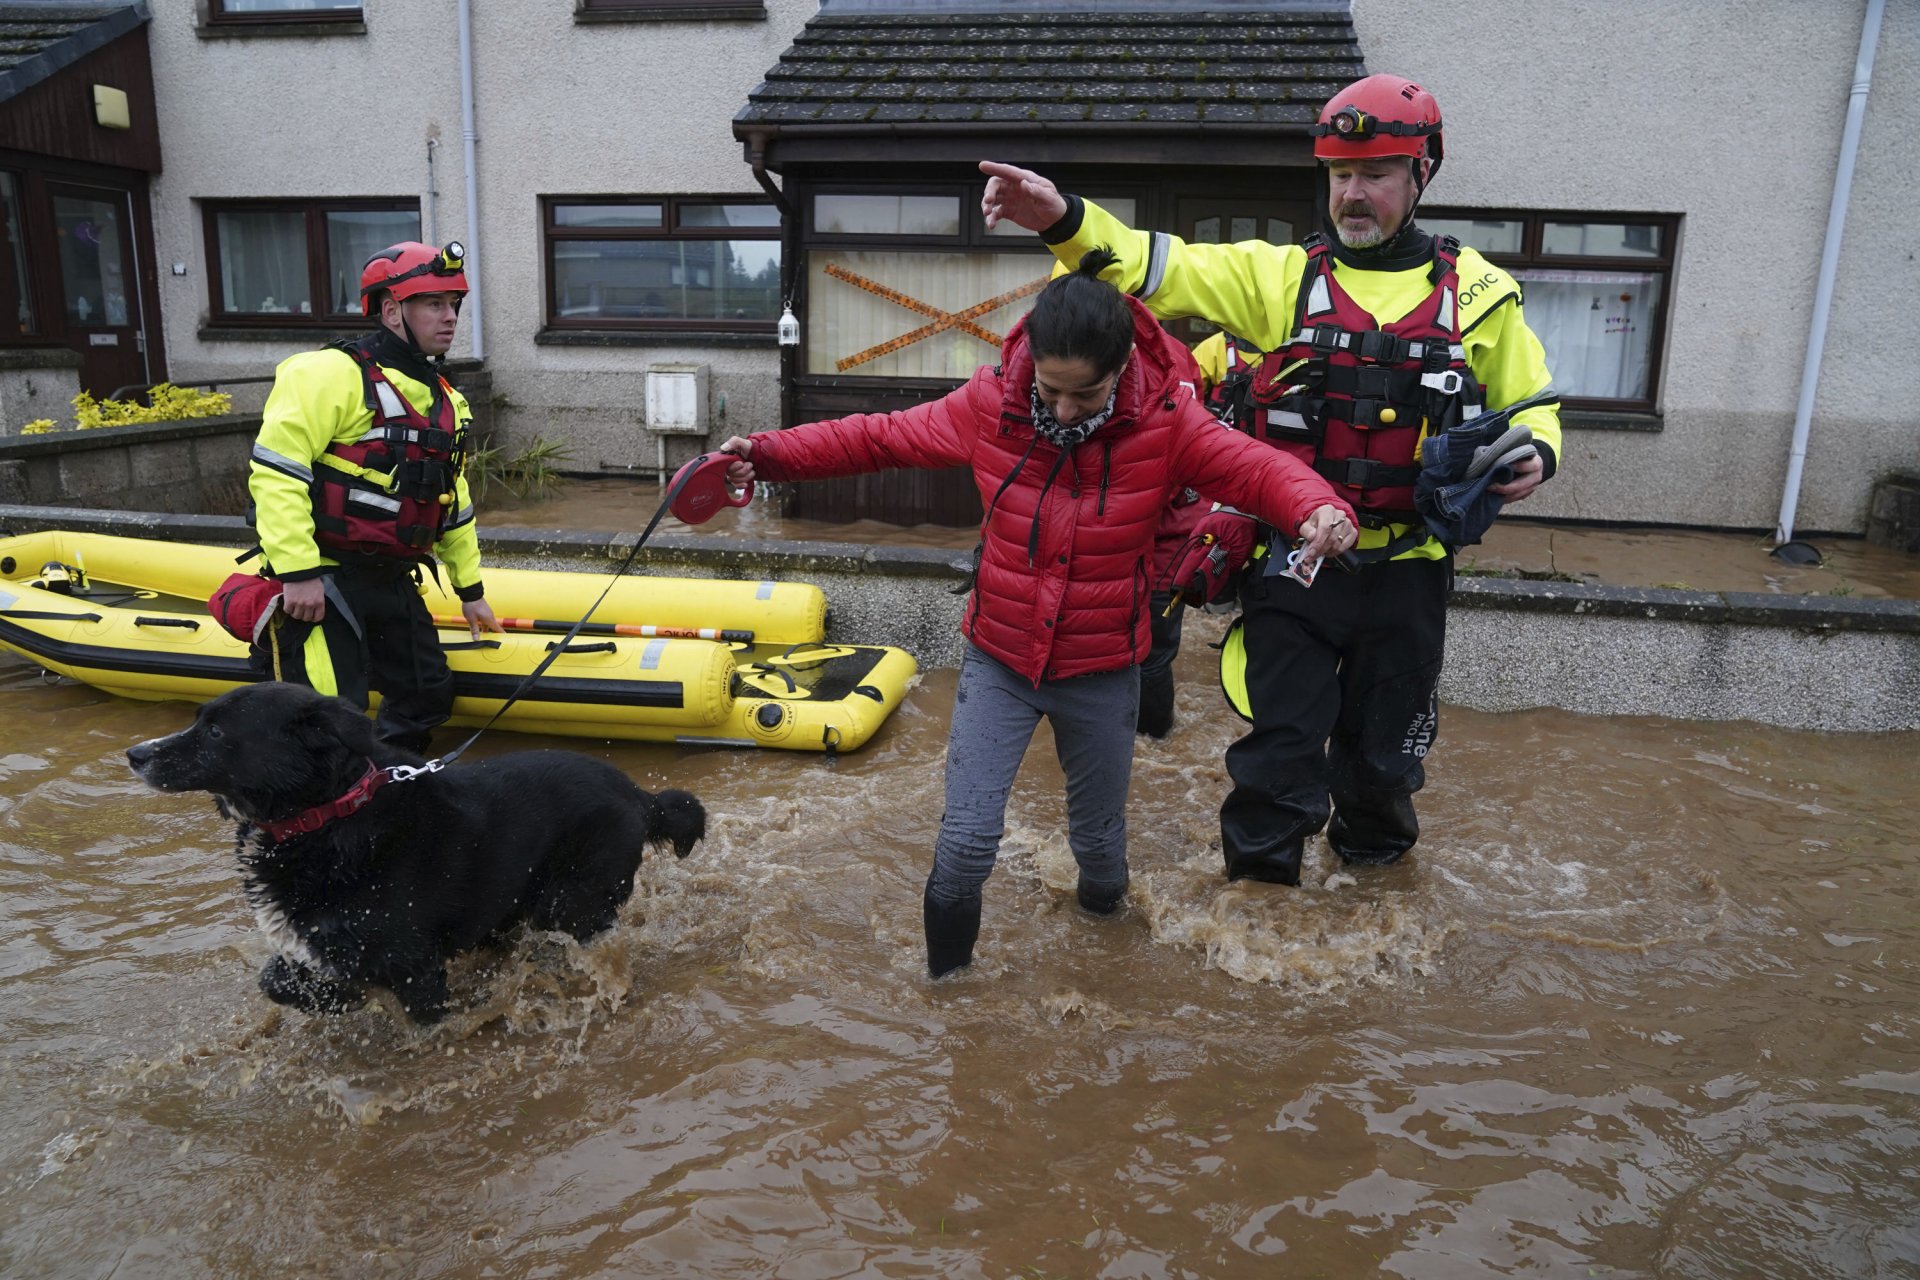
[(41, 40), (981, 68)]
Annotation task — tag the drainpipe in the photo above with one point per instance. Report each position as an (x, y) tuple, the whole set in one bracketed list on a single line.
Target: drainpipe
[(471, 308), (433, 195), (756, 146), (1786, 548)]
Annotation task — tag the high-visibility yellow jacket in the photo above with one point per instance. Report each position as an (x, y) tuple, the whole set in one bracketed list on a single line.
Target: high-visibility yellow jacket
[(1249, 289), (319, 399)]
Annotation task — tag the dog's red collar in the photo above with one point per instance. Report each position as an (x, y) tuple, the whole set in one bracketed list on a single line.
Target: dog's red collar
[(321, 814)]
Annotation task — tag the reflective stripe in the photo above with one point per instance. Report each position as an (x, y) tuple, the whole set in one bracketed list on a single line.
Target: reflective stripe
[(1289, 421), (1443, 318), (362, 498), (1321, 298), (1158, 248), (650, 656), (765, 592), (318, 660), (281, 463), (390, 403), (463, 516)]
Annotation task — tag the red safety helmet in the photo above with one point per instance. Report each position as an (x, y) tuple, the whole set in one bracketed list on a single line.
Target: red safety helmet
[(410, 267), (1379, 116)]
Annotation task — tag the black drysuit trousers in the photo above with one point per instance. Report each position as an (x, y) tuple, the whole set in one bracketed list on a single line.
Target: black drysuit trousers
[(1341, 681)]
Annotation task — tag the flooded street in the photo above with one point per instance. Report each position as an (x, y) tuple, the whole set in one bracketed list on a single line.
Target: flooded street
[(1643, 1003)]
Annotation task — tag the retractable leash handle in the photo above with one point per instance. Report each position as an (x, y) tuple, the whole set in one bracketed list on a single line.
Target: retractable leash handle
[(700, 489)]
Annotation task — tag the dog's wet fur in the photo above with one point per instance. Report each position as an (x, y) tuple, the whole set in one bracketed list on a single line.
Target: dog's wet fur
[(429, 867)]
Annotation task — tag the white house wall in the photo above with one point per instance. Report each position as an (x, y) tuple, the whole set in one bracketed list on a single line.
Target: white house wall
[(1727, 113)]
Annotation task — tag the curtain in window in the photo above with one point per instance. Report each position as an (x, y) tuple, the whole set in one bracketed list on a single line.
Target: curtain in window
[(353, 236), (864, 310), (263, 261), (1597, 327)]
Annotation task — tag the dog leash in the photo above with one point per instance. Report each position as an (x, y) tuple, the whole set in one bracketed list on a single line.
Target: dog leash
[(697, 491)]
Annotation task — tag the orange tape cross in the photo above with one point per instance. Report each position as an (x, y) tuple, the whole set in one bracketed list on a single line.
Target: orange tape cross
[(942, 320)]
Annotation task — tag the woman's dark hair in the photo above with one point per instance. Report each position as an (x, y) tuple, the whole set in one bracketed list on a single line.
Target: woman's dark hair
[(1081, 317)]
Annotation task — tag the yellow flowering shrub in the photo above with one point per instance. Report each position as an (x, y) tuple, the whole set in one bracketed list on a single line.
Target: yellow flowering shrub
[(169, 404)]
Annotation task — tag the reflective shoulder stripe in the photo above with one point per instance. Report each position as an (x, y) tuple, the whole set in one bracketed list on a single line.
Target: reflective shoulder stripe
[(282, 463), (463, 516), (1157, 250), (1320, 300), (1444, 317), (390, 403)]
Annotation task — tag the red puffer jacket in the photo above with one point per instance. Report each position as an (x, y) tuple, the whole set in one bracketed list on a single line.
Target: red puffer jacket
[(1077, 603)]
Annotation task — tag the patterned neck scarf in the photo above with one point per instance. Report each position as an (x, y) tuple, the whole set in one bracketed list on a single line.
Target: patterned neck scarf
[(1050, 428)]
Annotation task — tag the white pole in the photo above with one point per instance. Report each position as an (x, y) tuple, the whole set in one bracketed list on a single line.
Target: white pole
[(1829, 267), (471, 308)]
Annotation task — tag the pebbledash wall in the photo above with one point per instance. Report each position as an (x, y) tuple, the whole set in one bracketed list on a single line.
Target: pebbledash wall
[(562, 108), (1728, 114)]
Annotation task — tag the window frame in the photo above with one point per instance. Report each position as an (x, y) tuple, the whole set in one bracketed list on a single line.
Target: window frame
[(670, 229), (218, 15), (1533, 229), (315, 209)]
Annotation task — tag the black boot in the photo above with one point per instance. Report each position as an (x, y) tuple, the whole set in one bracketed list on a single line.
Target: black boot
[(1281, 866), (952, 927), (1100, 899)]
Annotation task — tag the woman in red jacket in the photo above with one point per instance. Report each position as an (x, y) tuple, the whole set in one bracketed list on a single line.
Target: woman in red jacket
[(1078, 440)]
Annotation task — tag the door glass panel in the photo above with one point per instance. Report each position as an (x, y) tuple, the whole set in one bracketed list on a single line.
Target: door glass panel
[(353, 236), (1242, 229), (1279, 231), (263, 261), (1206, 231), (92, 263), (16, 298)]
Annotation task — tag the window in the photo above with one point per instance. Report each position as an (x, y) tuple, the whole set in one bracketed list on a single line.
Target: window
[(16, 287), (675, 8), (1597, 294), (297, 262), (688, 263), (910, 284), (283, 10)]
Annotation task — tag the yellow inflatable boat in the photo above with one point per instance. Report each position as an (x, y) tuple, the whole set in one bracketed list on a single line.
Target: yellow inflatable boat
[(129, 616)]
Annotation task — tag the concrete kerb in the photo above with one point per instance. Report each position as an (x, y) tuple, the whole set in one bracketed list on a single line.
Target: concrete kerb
[(1804, 662)]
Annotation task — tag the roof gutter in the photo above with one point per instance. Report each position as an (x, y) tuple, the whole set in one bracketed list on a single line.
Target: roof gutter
[(1785, 547), (755, 141)]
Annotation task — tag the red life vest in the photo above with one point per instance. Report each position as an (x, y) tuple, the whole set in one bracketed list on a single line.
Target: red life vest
[(1227, 398), (399, 493), (1353, 398)]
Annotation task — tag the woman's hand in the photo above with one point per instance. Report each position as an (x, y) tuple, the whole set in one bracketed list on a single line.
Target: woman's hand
[(739, 474), (1327, 532)]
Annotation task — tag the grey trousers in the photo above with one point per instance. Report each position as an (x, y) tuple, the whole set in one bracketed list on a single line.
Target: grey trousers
[(995, 712)]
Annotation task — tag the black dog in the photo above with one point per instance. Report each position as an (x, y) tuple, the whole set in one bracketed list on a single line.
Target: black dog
[(363, 880)]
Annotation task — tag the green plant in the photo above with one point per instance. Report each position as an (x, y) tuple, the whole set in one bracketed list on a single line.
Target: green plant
[(533, 473)]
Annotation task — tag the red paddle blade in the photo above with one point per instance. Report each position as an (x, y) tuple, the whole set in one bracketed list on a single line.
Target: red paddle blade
[(700, 489)]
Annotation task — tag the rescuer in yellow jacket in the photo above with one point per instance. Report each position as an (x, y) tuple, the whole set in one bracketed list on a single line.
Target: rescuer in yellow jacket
[(357, 484), (1376, 335)]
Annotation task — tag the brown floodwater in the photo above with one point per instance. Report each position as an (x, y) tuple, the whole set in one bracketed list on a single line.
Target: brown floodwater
[(1644, 1002)]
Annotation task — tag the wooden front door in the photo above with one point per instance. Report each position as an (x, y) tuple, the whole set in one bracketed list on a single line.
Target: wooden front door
[(99, 280)]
